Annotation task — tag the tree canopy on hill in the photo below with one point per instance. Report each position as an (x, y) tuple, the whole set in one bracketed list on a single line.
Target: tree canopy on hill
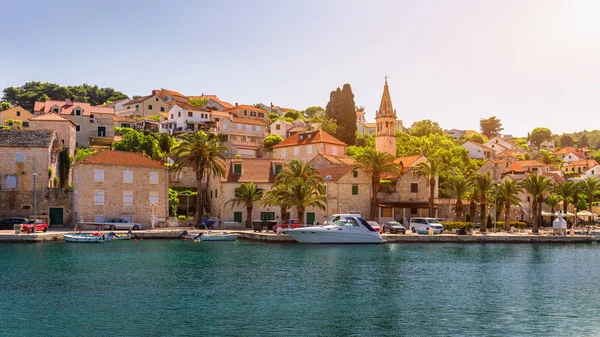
[(341, 108), (30, 92)]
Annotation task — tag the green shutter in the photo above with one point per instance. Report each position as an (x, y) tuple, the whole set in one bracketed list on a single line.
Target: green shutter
[(355, 173), (237, 217), (216, 193), (354, 189), (310, 218), (237, 168)]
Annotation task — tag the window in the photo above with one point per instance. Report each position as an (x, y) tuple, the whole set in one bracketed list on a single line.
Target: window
[(55, 110), (239, 126), (18, 113), (245, 113), (127, 198), (127, 176), (179, 114), (283, 152), (20, 157), (296, 151), (278, 168), (25, 124), (211, 192), (248, 127), (309, 149), (172, 116), (162, 109), (77, 112), (11, 181), (98, 175), (156, 99), (153, 177), (98, 197), (355, 174), (167, 98), (257, 128), (354, 189), (334, 151), (137, 107), (414, 188), (252, 114), (237, 168), (190, 114), (261, 115), (278, 127), (153, 198), (77, 128), (413, 211), (149, 106), (216, 194)]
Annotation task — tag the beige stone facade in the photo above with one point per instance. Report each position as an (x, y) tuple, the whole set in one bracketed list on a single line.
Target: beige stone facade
[(307, 145), (15, 113), (65, 129), (144, 106), (113, 184), (385, 117)]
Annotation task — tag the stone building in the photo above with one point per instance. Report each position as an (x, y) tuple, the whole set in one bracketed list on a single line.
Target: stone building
[(385, 117), (23, 154), (241, 135), (348, 189), (15, 113), (307, 145), (143, 106), (65, 129), (94, 124), (114, 184)]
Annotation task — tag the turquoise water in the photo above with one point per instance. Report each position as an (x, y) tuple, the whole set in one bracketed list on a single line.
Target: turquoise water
[(173, 288)]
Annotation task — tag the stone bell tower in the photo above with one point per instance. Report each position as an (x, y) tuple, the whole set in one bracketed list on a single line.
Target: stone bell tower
[(385, 118)]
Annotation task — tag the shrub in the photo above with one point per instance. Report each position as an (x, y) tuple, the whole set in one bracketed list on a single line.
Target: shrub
[(182, 217), (56, 181), (448, 226), (488, 222), (468, 218)]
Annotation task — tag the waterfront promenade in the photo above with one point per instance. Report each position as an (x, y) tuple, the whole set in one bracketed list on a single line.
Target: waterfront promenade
[(172, 233)]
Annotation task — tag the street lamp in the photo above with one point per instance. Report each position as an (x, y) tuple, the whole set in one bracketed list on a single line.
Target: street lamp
[(34, 204), (327, 179)]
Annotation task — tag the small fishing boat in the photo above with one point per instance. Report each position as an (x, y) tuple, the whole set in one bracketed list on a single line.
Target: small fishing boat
[(210, 236), (87, 238), (115, 236)]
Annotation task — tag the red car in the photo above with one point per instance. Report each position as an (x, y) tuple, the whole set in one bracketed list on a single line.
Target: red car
[(40, 225), (289, 223), (375, 225)]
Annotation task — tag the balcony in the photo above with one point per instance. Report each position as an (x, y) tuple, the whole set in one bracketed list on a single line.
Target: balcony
[(245, 143), (102, 134)]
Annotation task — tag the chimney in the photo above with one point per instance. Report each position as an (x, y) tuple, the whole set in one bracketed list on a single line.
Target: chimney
[(236, 104), (68, 101)]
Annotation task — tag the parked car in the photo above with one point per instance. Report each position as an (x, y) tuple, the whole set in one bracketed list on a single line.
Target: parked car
[(119, 223), (9, 223), (423, 224), (376, 226), (40, 225), (394, 227), (288, 223)]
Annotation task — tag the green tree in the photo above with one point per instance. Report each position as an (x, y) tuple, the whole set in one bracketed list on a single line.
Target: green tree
[(430, 169), (490, 127), (536, 186), (245, 195), (540, 135), (165, 143), (552, 201), (173, 202), (377, 163), (565, 192), (5, 106), (305, 186), (294, 115), (472, 137), (509, 191), (566, 140), (272, 140), (590, 187), (279, 195), (548, 158), (198, 101), (482, 184), (425, 128), (141, 142), (205, 156), (457, 186), (583, 141), (341, 107), (82, 153), (313, 111)]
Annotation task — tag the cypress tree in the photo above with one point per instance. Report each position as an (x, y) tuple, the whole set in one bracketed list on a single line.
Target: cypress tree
[(341, 107)]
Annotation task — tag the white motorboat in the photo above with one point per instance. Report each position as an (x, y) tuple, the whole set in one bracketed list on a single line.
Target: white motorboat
[(350, 229), (210, 236), (86, 238)]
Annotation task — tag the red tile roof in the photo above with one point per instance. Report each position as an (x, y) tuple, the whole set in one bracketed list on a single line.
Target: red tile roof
[(584, 162), (258, 170), (243, 120), (530, 163), (121, 158), (138, 100), (310, 137), (407, 161), (50, 117), (218, 113), (336, 172), (245, 107), (87, 109), (172, 92), (339, 160), (506, 153), (565, 150)]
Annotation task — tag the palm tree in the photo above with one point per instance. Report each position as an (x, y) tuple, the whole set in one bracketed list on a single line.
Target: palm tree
[(258, 105), (303, 195), (457, 186), (245, 195), (565, 192), (278, 196), (548, 158), (552, 201), (430, 169), (509, 192), (482, 184), (376, 163), (296, 169), (590, 187), (205, 156), (472, 197), (536, 186)]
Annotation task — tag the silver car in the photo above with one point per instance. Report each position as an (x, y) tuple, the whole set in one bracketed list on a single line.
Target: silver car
[(118, 223)]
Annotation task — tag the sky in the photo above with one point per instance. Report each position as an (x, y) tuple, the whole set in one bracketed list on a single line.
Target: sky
[(529, 63)]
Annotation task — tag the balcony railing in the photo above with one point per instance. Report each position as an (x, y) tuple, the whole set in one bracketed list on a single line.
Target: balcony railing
[(244, 143), (102, 134)]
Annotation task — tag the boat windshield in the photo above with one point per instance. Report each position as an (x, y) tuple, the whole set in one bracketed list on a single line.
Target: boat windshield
[(366, 224), (348, 222)]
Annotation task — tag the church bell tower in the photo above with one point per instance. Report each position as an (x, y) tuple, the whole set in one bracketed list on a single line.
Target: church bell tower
[(385, 118)]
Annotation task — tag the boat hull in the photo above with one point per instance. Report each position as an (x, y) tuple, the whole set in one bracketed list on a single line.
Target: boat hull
[(85, 238), (320, 235), (219, 237)]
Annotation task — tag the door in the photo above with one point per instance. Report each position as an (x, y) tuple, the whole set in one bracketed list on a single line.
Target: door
[(56, 216), (102, 131), (310, 218), (267, 215)]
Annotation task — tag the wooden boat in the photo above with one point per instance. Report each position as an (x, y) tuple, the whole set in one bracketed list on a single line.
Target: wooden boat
[(115, 236), (218, 237), (86, 238)]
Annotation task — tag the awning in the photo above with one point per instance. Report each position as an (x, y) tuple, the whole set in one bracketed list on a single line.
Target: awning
[(544, 213), (585, 213)]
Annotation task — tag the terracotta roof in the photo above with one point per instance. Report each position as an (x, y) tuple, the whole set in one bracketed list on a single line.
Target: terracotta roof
[(245, 107), (172, 92), (339, 160), (258, 170), (336, 172), (138, 100), (310, 137), (26, 138), (487, 148), (87, 109), (226, 105), (50, 117), (506, 153), (515, 167), (585, 162), (407, 161), (15, 108), (124, 119), (565, 150), (191, 107), (530, 163), (243, 120), (164, 115), (217, 113), (559, 179), (121, 158), (297, 129)]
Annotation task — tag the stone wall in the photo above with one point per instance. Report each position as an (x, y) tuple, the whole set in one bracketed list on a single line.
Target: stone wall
[(65, 132), (20, 203)]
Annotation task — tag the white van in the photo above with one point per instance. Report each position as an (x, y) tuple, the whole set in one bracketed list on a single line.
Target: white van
[(423, 224), (335, 217)]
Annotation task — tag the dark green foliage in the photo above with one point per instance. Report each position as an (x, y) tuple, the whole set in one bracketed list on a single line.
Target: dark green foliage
[(490, 127), (313, 111), (539, 135), (27, 94), (468, 218), (425, 128), (142, 142), (5, 106), (566, 140), (488, 223), (583, 141), (64, 166), (341, 107), (293, 114), (272, 140)]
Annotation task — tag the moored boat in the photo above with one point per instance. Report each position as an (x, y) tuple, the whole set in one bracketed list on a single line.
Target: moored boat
[(86, 238), (350, 229)]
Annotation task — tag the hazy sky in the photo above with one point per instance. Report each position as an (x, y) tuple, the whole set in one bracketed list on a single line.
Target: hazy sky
[(530, 63)]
